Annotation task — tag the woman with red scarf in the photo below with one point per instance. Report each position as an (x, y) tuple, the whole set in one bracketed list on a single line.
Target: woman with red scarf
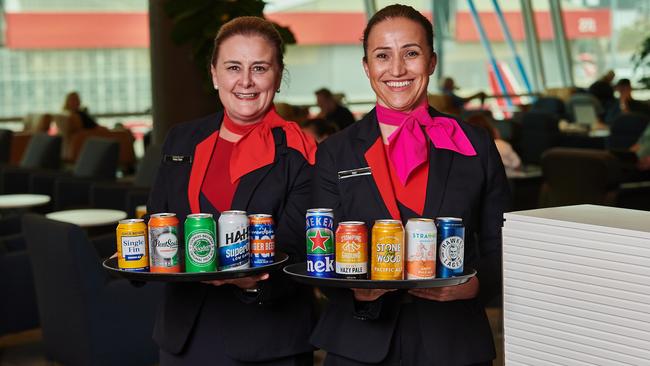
[(245, 158), (412, 161)]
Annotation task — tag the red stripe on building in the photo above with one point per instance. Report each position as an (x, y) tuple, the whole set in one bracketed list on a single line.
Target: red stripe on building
[(131, 30), (578, 24), (77, 30)]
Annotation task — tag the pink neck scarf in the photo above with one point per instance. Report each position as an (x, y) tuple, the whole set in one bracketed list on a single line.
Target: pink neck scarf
[(407, 146)]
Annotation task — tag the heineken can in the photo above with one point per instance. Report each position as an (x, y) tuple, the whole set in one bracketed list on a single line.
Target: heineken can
[(234, 246), (200, 243), (320, 242), (451, 246)]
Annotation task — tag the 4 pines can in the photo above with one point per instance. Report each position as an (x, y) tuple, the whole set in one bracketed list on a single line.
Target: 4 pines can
[(387, 252), (262, 239), (234, 247), (320, 242), (352, 250), (163, 243), (451, 246), (132, 245), (420, 249), (200, 243)]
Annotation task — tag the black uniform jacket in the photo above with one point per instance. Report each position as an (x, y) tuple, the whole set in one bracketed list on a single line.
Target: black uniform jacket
[(278, 321), (474, 188)]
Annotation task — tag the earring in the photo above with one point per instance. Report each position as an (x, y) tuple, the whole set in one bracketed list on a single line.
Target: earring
[(277, 91), (216, 87)]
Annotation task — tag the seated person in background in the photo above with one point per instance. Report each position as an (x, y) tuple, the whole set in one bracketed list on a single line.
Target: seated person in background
[(626, 102), (448, 87), (78, 116), (508, 155), (319, 128), (332, 110), (603, 90), (642, 150)]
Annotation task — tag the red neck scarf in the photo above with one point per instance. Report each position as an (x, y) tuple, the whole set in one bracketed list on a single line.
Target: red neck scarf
[(256, 148)]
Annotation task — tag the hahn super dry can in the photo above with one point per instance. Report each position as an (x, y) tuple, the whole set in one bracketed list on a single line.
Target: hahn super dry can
[(262, 239), (352, 250), (234, 247), (200, 243), (320, 242), (387, 253), (164, 255), (451, 246), (132, 245), (420, 249)]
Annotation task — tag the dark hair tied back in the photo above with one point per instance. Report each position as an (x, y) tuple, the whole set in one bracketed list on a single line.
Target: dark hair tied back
[(398, 11), (249, 26)]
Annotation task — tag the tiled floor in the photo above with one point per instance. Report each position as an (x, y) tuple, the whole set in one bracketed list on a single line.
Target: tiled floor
[(26, 349)]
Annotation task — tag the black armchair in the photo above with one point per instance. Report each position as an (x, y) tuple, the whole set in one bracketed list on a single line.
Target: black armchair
[(626, 130), (127, 196), (87, 318), (97, 162), (577, 176), (18, 309), (42, 153), (539, 132)]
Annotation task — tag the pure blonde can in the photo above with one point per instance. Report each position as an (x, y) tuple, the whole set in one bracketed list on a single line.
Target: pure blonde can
[(387, 253), (132, 245)]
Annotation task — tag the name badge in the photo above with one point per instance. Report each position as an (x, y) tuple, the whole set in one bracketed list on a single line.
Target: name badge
[(183, 159), (345, 174)]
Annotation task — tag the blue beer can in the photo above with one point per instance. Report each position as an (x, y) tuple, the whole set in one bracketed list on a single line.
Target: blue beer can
[(320, 242), (451, 247)]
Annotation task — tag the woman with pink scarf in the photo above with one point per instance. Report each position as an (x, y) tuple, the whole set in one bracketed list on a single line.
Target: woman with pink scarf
[(405, 160)]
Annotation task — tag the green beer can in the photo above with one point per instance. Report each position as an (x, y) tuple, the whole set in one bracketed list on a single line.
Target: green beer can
[(200, 243)]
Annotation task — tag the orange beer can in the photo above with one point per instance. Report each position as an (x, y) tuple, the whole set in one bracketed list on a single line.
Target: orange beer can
[(352, 250), (132, 245), (164, 251), (387, 253)]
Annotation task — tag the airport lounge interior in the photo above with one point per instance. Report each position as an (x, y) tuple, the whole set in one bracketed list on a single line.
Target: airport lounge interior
[(512, 228)]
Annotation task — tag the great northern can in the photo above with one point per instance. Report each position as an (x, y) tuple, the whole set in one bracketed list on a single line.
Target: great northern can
[(200, 243), (352, 250), (234, 246), (262, 239), (451, 246), (320, 242), (420, 249), (164, 255), (387, 254), (132, 245)]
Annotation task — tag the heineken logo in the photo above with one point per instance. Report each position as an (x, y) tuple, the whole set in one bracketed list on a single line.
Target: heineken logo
[(318, 240)]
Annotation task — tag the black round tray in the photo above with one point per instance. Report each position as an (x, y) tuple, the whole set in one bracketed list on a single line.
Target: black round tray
[(298, 272), (111, 266)]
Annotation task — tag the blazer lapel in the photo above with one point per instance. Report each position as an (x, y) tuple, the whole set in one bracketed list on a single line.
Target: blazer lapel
[(440, 161), (370, 150)]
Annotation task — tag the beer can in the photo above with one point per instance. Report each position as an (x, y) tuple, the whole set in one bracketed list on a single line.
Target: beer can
[(420, 249), (200, 243), (140, 211), (164, 255), (262, 239), (387, 254), (132, 245), (352, 250), (451, 246), (320, 242), (234, 247)]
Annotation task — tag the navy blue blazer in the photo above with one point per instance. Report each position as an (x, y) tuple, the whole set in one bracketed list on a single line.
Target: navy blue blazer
[(474, 188), (280, 318)]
